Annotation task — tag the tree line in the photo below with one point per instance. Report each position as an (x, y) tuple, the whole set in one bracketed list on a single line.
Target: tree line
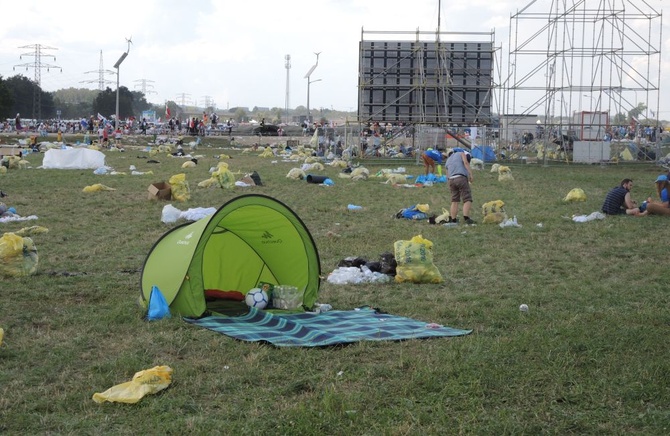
[(18, 94)]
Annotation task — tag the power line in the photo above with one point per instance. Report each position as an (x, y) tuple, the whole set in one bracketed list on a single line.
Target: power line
[(287, 65), (37, 65), (143, 86), (207, 101), (101, 76), (183, 97)]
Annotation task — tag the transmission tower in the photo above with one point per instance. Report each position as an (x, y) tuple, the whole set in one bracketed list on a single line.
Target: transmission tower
[(143, 86), (183, 98), (37, 65), (287, 65), (101, 76), (207, 101)]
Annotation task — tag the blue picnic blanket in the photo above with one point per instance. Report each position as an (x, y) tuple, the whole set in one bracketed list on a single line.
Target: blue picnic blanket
[(320, 329)]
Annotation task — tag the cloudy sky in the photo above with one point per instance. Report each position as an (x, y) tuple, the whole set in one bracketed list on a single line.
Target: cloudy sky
[(228, 52)]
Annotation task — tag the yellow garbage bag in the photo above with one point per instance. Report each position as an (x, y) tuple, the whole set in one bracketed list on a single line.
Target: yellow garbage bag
[(395, 179), (425, 208), (165, 148), (2, 335), (148, 381), (180, 188), (224, 177), (415, 261), (505, 174), (360, 173), (576, 194), (33, 230), (188, 164), (494, 212), (97, 188), (209, 183), (339, 163), (267, 153), (296, 174), (18, 256), (13, 162)]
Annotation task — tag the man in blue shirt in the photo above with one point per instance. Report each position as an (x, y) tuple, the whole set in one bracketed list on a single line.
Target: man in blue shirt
[(430, 158)]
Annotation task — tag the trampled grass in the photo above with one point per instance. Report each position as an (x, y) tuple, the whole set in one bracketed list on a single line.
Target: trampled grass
[(590, 356)]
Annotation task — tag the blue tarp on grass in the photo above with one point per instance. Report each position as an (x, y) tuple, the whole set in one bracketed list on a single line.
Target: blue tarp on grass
[(320, 329)]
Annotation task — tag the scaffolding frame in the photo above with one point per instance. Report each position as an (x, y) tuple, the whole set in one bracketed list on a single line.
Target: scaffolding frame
[(426, 79), (426, 82), (585, 56)]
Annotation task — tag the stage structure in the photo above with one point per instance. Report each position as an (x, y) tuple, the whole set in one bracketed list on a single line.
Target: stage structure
[(589, 68), (426, 78)]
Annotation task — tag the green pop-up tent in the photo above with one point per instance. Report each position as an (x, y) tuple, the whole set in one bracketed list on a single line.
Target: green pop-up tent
[(251, 239)]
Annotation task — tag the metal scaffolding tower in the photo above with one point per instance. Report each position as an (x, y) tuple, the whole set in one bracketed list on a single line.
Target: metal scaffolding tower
[(583, 57), (38, 66)]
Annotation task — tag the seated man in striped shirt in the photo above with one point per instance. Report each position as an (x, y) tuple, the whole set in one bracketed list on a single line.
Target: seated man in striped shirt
[(618, 201)]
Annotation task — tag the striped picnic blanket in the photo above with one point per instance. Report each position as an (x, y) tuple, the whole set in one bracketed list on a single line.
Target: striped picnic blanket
[(320, 329)]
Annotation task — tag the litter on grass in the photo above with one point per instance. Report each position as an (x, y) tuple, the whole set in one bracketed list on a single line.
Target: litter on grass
[(576, 194), (586, 218), (171, 214), (148, 381)]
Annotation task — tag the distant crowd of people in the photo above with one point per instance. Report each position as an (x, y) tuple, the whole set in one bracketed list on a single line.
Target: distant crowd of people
[(195, 126)]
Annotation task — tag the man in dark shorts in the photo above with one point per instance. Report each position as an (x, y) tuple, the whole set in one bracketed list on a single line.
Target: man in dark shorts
[(459, 175)]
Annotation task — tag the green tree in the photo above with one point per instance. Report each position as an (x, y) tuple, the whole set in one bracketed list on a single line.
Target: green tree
[(6, 101), (22, 91), (75, 103), (241, 115), (139, 104), (174, 109), (301, 110), (277, 115), (637, 111), (619, 119), (105, 103)]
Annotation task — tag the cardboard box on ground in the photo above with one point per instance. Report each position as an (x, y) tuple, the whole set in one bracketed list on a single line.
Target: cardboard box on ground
[(160, 191), (9, 150)]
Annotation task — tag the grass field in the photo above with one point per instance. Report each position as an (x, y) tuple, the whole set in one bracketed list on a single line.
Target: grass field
[(591, 356)]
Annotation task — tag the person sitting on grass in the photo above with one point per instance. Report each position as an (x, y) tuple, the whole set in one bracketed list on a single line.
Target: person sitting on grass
[(662, 207), (618, 201)]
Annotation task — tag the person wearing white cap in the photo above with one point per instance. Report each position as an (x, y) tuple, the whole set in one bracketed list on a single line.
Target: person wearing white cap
[(661, 207)]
